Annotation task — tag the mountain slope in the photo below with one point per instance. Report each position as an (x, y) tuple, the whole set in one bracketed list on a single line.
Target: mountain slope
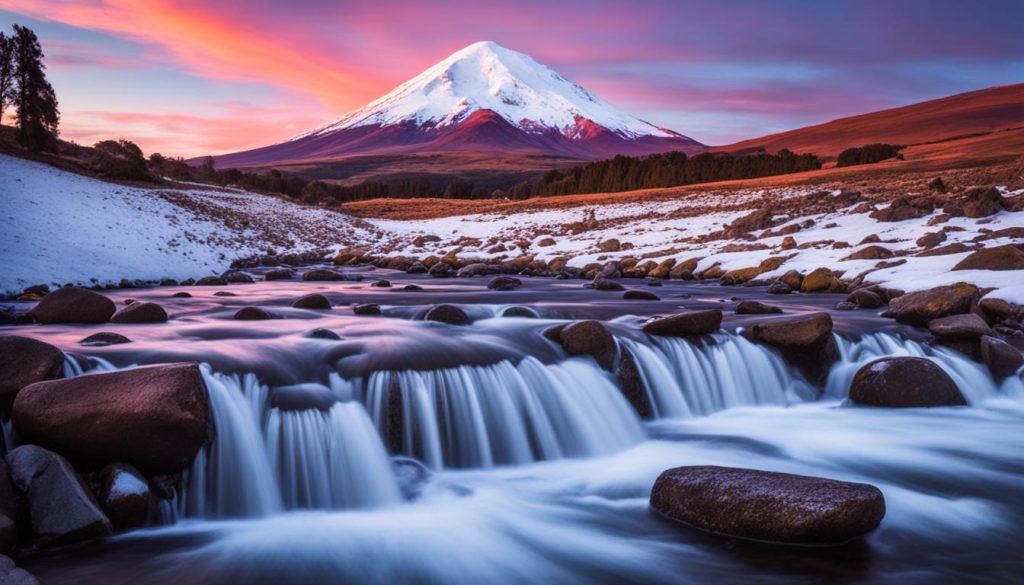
[(483, 97), (961, 115)]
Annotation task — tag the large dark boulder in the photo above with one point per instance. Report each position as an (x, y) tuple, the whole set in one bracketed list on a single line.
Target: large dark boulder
[(1007, 257), (73, 304), (768, 506), (904, 382), (1002, 359), (589, 338), (24, 361), (140, 313), (124, 496), (966, 326), (640, 295), (686, 324), (312, 301), (504, 283), (806, 342), (756, 308), (448, 314), (918, 308), (61, 508), (155, 418)]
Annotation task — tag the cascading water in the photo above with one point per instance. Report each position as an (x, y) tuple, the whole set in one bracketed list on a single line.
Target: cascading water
[(480, 416)]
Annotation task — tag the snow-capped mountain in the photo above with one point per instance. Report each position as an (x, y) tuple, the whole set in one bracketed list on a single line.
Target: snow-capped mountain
[(481, 98)]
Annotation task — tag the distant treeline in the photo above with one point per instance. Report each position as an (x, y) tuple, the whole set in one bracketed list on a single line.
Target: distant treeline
[(627, 173), (868, 154)]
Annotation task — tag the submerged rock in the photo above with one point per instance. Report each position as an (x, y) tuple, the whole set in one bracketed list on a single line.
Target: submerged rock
[(24, 361), (321, 333), (73, 304), (504, 283), (686, 324), (252, 314), (520, 312), (61, 508), (367, 309), (312, 301), (768, 506), (124, 496), (904, 382), (104, 338), (640, 295), (589, 338), (756, 308), (448, 314), (607, 284), (140, 313), (155, 418)]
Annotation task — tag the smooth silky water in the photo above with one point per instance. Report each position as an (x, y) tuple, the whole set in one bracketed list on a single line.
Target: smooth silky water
[(483, 454)]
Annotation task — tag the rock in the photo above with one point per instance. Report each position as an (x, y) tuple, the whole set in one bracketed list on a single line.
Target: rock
[(441, 270), (1003, 360), (788, 243), (447, 314), (918, 308), (904, 382), (182, 295), (412, 287), (124, 496), (104, 338), (931, 239), (279, 274), (865, 299), (954, 248), (382, 283), (24, 361), (609, 245), (981, 202), (322, 275), (739, 276), (605, 284), (238, 278), (870, 253), (303, 397), (1008, 257), (155, 418), (224, 293), (476, 269), (663, 270), (140, 313), (504, 283), (367, 309), (73, 304), (899, 210), (545, 242), (312, 301), (791, 278), (61, 509), (631, 382), (525, 312), (640, 295), (686, 324), (820, 280), (589, 338), (779, 288), (1000, 309), (756, 308), (212, 281), (321, 333), (966, 326), (768, 506), (252, 314), (806, 342)]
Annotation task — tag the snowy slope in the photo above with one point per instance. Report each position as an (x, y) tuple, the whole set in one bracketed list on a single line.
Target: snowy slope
[(59, 227), (487, 76)]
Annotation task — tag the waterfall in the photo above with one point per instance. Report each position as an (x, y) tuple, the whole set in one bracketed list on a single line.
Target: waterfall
[(973, 379), (502, 414), (683, 379)]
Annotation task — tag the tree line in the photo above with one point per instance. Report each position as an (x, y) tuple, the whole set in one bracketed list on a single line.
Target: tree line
[(24, 87), (868, 154), (671, 169)]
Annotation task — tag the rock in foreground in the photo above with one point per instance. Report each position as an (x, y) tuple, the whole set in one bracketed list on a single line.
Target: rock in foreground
[(768, 506), (686, 324), (904, 382), (24, 361), (155, 418), (918, 308)]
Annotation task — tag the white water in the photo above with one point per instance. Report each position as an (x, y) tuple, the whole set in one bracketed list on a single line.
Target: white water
[(481, 416)]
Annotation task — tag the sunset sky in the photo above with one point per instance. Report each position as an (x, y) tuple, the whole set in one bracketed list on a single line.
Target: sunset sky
[(203, 77)]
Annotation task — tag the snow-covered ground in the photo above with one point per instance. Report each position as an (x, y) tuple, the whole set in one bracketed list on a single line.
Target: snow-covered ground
[(60, 227)]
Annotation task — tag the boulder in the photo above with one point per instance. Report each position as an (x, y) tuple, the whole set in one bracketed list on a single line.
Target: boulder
[(640, 295), (140, 313), (1002, 359), (525, 312), (756, 308), (321, 333), (820, 280), (182, 295), (966, 326), (792, 278), (238, 278), (1008, 257), (447, 314), (918, 308), (685, 324), (252, 314), (212, 281), (73, 304), (865, 299), (322, 275), (504, 283), (609, 245), (61, 508), (312, 301), (367, 309), (124, 496), (904, 382), (382, 283), (932, 239), (476, 269), (768, 506), (806, 342), (606, 284), (155, 418), (279, 274), (25, 361), (870, 253), (981, 202), (441, 270), (589, 338), (663, 269), (779, 288)]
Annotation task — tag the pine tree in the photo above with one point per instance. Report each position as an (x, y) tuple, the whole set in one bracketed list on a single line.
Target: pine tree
[(6, 73), (34, 96)]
